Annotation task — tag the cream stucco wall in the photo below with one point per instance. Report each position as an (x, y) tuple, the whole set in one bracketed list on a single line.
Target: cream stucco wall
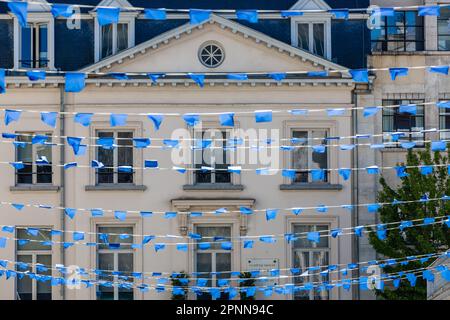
[(164, 189)]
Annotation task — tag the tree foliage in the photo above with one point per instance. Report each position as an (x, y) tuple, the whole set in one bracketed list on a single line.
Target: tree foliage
[(414, 240)]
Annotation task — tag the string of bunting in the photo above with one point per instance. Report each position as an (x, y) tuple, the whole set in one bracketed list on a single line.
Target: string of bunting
[(76, 81), (224, 242), (226, 119), (411, 275), (398, 139), (110, 15), (381, 229), (261, 275)]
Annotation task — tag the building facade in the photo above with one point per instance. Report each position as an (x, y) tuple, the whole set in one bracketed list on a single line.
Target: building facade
[(405, 40), (314, 42)]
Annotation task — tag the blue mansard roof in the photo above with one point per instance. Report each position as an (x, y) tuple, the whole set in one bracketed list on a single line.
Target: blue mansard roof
[(74, 49)]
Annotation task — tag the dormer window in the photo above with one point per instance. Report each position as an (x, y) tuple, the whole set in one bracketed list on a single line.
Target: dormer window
[(114, 38), (34, 46), (312, 31), (311, 37)]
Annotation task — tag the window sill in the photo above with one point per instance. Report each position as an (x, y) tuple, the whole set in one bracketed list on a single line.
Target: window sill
[(34, 187), (213, 186), (116, 187), (311, 186)]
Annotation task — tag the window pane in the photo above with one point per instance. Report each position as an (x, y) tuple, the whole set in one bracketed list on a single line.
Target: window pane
[(404, 32), (44, 173), (125, 156), (204, 266), (223, 264), (444, 43), (24, 154), (301, 261), (319, 39), (107, 40), (126, 265), (105, 156), (122, 36), (319, 258), (44, 289), (215, 157), (319, 160), (307, 254), (300, 232), (394, 121), (300, 155), (114, 236), (43, 235), (303, 36), (24, 284), (223, 232), (105, 262), (26, 48), (444, 30), (43, 46)]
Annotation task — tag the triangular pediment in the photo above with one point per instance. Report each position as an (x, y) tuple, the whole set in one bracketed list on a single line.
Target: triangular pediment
[(115, 3), (38, 6), (246, 50), (310, 5)]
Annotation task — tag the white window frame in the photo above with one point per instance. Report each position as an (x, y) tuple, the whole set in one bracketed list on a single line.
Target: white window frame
[(34, 18), (311, 251), (311, 19), (310, 151), (231, 155), (115, 253), (124, 18), (33, 254), (331, 126), (34, 158), (136, 128), (115, 151), (213, 252)]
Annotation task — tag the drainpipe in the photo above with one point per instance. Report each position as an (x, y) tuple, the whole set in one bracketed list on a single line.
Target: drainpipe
[(355, 193), (62, 192)]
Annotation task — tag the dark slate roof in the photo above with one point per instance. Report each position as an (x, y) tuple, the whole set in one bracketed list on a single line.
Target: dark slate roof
[(214, 4)]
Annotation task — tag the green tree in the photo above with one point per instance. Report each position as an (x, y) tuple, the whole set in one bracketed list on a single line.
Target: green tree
[(177, 281), (246, 281), (416, 240)]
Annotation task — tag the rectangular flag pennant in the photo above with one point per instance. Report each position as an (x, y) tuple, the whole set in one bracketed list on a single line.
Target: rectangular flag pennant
[(439, 69), (35, 75), (247, 15), (291, 13), (49, 118), (107, 16), (398, 72), (197, 16), (155, 14), (429, 11), (360, 75), (20, 10), (199, 79), (75, 81), (227, 119), (118, 120), (151, 164), (62, 10), (157, 119), (263, 116)]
